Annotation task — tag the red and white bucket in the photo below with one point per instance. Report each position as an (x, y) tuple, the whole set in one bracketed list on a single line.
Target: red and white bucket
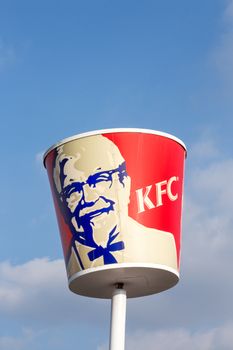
[(118, 199)]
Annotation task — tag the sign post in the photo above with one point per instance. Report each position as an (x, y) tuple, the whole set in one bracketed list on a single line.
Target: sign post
[(118, 197), (118, 317)]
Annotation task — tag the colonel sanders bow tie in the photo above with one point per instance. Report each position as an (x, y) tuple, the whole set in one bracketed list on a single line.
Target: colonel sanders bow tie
[(105, 252)]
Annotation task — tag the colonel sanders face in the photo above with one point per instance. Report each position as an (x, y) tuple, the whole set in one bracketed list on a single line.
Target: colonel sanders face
[(92, 183)]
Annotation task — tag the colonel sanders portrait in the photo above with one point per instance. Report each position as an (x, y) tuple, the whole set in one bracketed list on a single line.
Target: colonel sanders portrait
[(92, 188)]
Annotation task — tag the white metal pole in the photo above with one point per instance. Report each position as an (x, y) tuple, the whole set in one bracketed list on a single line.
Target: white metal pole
[(118, 316)]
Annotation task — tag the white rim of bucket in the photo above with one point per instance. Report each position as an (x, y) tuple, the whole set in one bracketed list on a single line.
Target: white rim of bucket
[(112, 130), (122, 266)]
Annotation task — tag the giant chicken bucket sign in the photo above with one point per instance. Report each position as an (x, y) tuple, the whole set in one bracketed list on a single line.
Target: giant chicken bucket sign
[(118, 199)]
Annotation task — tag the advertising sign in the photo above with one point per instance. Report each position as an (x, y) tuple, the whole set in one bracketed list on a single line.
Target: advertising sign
[(118, 199)]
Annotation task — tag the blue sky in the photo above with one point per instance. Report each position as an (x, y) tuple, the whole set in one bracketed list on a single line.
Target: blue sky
[(68, 67)]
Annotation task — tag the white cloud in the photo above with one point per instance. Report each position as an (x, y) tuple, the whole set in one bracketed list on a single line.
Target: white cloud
[(22, 284), (37, 291), (19, 343), (180, 339), (208, 213)]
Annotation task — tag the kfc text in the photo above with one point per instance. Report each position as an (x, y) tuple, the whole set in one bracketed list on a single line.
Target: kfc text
[(161, 189)]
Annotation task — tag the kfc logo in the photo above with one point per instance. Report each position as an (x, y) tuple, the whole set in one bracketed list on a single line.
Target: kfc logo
[(161, 188)]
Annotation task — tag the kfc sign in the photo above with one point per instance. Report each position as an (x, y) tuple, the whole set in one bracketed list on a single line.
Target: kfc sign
[(118, 198), (161, 188)]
